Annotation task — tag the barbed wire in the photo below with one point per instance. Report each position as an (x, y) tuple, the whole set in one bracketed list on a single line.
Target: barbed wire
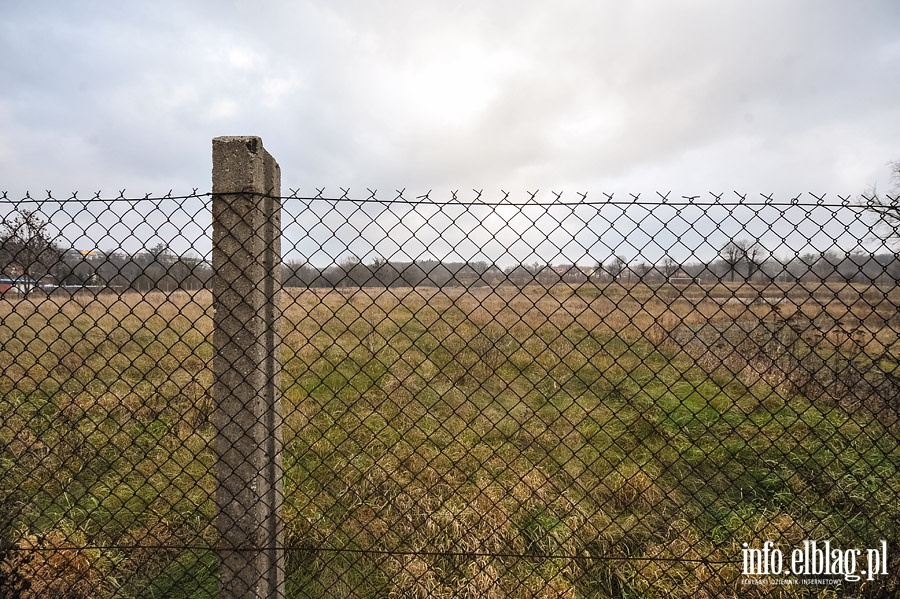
[(552, 198)]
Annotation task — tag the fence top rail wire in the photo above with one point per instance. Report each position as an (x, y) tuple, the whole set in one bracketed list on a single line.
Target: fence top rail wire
[(528, 198)]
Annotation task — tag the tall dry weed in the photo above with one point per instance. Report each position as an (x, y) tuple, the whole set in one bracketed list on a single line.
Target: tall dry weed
[(61, 565)]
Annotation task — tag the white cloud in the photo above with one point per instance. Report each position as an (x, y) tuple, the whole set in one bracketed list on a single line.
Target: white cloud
[(243, 58)]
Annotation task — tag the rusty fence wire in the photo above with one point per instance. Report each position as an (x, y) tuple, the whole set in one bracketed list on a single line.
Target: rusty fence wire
[(532, 395)]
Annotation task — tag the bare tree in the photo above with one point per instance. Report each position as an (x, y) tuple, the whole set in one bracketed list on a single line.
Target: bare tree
[(669, 268), (298, 274), (383, 271), (642, 271), (356, 274), (743, 252), (26, 248), (732, 255), (886, 206), (755, 256), (826, 265), (615, 267)]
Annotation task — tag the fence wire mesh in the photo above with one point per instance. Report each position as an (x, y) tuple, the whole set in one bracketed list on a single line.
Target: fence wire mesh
[(530, 396)]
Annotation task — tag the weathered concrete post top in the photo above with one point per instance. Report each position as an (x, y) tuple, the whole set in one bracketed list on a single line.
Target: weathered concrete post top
[(241, 163), (246, 283)]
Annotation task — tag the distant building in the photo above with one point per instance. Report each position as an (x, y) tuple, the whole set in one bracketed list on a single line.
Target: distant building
[(20, 285), (680, 277)]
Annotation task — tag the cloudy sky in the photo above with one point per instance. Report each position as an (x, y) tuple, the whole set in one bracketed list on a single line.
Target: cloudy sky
[(683, 95)]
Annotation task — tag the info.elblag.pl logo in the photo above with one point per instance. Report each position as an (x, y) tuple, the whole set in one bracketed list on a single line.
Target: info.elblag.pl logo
[(821, 560)]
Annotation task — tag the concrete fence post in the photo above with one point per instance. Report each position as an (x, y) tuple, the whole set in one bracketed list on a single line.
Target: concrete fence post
[(246, 283)]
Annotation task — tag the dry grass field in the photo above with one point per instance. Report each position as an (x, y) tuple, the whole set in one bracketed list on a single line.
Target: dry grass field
[(591, 441)]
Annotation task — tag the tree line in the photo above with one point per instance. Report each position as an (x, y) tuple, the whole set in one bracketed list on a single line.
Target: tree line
[(27, 251)]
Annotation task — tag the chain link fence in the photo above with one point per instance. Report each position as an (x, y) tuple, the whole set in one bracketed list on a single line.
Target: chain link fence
[(522, 395)]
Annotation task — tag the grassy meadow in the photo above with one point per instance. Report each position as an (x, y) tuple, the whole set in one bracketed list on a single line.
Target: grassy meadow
[(591, 441)]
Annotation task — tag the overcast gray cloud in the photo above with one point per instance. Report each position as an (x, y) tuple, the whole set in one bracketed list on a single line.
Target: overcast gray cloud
[(685, 95)]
